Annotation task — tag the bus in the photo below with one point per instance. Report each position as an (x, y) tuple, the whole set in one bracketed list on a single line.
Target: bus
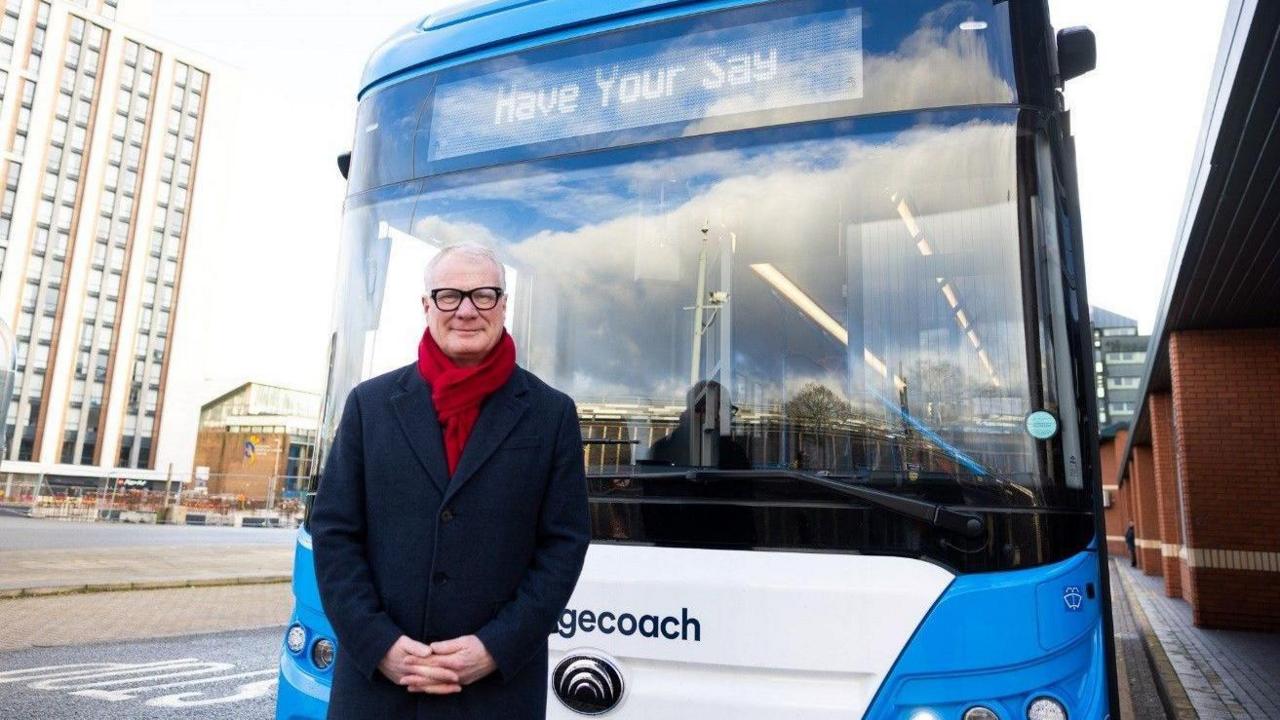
[(811, 271)]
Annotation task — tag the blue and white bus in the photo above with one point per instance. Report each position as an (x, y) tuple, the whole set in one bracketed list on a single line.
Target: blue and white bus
[(811, 270)]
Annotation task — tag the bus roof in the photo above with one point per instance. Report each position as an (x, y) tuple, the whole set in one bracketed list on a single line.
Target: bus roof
[(480, 27)]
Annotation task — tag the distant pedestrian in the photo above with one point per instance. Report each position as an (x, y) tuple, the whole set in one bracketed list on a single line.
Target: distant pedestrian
[(1130, 541)]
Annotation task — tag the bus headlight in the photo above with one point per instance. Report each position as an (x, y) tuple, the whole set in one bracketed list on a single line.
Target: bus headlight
[(322, 653), (296, 639), (980, 713), (924, 715), (1044, 708)]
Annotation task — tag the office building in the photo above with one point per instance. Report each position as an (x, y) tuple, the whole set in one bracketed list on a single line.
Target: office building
[(102, 128), (1118, 356)]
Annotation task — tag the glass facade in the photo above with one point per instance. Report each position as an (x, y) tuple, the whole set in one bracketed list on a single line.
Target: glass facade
[(57, 216)]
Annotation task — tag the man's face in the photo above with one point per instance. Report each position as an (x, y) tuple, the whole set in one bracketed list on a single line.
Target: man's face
[(466, 334)]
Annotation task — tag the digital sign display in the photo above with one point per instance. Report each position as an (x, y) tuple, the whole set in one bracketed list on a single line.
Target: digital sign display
[(766, 65)]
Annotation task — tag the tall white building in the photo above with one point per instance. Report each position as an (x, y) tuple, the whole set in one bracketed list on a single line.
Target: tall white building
[(102, 129)]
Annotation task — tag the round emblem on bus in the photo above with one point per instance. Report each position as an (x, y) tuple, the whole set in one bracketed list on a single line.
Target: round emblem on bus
[(587, 684)]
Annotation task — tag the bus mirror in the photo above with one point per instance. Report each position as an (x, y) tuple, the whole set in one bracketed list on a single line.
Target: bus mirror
[(344, 164), (8, 368), (1077, 52)]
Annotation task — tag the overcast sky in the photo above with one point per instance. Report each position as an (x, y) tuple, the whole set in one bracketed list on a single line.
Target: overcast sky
[(1136, 119)]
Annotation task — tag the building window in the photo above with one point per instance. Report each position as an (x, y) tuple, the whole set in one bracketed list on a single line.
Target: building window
[(1120, 408), (1123, 383), (1126, 358)]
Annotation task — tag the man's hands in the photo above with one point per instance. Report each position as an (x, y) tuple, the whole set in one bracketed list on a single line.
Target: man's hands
[(447, 666), (400, 666)]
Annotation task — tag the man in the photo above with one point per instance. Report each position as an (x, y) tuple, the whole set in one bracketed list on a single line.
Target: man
[(1130, 542), (451, 521)]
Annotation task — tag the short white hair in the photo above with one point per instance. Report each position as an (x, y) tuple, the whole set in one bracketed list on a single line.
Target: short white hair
[(472, 250)]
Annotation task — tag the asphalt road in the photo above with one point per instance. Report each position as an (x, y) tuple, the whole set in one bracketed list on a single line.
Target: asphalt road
[(221, 675), (23, 533)]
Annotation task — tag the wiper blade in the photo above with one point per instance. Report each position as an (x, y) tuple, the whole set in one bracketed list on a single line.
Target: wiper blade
[(937, 515)]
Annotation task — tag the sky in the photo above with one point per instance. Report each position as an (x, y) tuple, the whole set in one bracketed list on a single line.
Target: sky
[(263, 296)]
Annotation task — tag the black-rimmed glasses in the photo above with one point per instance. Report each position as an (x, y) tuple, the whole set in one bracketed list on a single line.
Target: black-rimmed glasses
[(450, 299)]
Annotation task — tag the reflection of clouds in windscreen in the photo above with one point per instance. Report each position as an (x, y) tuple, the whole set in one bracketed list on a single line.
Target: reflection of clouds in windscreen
[(629, 336), (441, 232), (607, 297), (937, 65)]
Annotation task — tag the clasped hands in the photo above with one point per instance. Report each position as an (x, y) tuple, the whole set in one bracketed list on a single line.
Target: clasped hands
[(440, 668)]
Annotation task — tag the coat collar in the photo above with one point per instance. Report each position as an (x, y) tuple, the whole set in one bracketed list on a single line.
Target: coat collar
[(417, 415)]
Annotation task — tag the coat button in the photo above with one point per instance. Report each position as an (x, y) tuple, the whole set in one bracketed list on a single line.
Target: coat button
[(440, 578), (447, 515)]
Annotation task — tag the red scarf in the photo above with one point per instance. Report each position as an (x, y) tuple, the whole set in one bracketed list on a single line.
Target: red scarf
[(457, 392)]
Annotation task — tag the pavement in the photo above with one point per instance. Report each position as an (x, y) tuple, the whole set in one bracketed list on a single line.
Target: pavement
[(77, 619), (1201, 673), (42, 572), (1139, 695), (43, 557)]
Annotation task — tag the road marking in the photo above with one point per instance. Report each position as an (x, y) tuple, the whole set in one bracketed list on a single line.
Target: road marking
[(119, 682), (133, 693), (77, 684), (81, 669), (248, 691)]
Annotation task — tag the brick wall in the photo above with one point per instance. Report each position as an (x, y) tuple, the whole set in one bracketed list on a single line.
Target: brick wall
[(1146, 518), (1115, 517), (230, 472), (1226, 414), (1168, 508)]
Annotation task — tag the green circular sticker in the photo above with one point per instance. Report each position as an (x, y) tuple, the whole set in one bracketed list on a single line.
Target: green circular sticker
[(1042, 425)]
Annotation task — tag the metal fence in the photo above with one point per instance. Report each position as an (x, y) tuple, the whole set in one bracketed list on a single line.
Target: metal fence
[(126, 501)]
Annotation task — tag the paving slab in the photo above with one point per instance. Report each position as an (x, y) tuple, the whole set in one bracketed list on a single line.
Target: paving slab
[(102, 617), (1139, 697), (41, 571), (1227, 674)]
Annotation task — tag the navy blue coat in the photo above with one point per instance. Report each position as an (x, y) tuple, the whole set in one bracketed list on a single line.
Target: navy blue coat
[(403, 549)]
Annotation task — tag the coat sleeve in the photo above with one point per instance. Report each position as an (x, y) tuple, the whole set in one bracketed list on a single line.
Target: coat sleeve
[(338, 534), (520, 628)]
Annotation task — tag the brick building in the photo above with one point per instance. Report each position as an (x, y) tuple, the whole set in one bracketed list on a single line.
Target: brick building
[(257, 442), (1195, 470)]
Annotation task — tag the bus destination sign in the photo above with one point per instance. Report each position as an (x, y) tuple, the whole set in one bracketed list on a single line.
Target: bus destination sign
[(766, 65)]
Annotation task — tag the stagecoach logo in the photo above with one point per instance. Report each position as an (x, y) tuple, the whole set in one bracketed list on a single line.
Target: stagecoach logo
[(587, 684)]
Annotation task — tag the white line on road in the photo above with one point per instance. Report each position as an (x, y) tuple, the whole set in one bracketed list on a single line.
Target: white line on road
[(49, 672), (132, 681), (131, 693), (78, 684), (247, 691)]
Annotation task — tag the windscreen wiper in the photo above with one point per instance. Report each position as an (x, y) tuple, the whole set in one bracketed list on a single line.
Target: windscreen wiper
[(937, 515)]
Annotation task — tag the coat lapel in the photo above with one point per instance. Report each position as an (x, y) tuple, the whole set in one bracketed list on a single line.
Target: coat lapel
[(417, 416), (498, 416)]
